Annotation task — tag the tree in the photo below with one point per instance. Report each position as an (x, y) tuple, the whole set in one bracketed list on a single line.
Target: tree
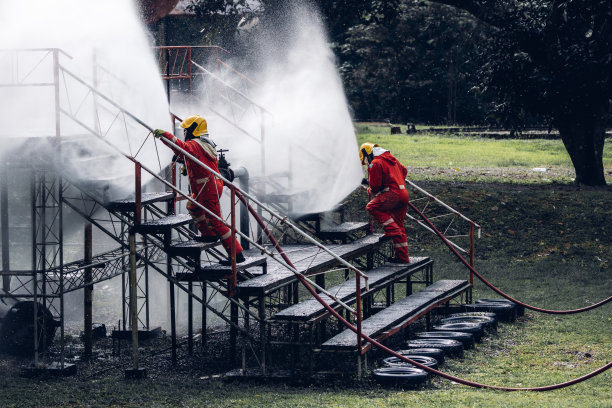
[(552, 58), (415, 65)]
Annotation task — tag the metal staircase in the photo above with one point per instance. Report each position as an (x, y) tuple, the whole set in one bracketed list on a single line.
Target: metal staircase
[(263, 302)]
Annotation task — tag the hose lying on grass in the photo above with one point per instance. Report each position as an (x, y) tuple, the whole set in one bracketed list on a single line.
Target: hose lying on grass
[(493, 287), (375, 343)]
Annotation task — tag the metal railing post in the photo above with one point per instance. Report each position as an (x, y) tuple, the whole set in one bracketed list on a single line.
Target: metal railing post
[(133, 300), (358, 318), (138, 193)]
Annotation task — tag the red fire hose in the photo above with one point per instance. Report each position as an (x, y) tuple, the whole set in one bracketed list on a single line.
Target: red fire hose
[(393, 353), (495, 289)]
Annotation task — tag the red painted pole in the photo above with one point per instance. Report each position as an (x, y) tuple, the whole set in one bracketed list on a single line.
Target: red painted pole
[(138, 190)]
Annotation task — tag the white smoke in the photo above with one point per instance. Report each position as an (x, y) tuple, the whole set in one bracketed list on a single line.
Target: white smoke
[(105, 45)]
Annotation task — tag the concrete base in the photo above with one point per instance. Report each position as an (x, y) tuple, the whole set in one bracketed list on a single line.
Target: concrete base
[(136, 373), (142, 334)]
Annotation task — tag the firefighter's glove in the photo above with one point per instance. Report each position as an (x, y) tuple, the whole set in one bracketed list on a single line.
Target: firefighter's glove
[(158, 133)]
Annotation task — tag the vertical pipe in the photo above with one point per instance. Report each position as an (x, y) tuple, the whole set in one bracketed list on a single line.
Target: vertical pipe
[(262, 332), (167, 73), (243, 179), (189, 71), (58, 133), (232, 281), (34, 204), (133, 300), (204, 303), (358, 311), (4, 225), (88, 291), (61, 267), (233, 244), (190, 319), (167, 239)]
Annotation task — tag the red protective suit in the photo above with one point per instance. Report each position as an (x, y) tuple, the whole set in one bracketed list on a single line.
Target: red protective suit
[(388, 207), (206, 189)]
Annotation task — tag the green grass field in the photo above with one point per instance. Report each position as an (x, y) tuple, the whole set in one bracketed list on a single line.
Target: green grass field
[(458, 153)]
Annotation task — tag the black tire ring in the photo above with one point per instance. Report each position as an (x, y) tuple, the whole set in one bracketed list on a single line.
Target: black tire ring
[(398, 362), (489, 323), (436, 353), (475, 329), (467, 339), (400, 375), (505, 312), (520, 309), (450, 347), (467, 314)]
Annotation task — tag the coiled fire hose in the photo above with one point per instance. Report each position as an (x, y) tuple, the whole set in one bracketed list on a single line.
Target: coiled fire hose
[(494, 288), (393, 353)]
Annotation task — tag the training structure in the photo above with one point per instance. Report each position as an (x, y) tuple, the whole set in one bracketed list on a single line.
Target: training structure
[(274, 323)]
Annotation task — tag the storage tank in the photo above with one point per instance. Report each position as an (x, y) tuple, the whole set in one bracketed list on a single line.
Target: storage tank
[(17, 325)]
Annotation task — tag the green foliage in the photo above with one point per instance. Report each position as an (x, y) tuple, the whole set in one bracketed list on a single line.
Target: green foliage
[(546, 57), (217, 20), (408, 67)]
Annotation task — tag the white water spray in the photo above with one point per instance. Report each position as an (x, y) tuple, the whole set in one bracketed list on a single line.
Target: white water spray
[(308, 132), (106, 46)]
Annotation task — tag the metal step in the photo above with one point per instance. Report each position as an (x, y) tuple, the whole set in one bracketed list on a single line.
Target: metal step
[(190, 248), (400, 314), (378, 278), (343, 231), (129, 204), (308, 260), (213, 271), (163, 225)]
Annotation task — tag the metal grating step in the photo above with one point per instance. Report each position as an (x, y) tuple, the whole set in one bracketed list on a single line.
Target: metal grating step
[(343, 231), (212, 271), (163, 225), (129, 204), (190, 248), (400, 313), (308, 260), (377, 278)]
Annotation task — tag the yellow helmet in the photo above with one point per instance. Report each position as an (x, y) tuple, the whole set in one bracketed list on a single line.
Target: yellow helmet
[(365, 150), (201, 127)]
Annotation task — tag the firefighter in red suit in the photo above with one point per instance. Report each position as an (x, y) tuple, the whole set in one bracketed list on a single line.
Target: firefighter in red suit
[(206, 187), (388, 206)]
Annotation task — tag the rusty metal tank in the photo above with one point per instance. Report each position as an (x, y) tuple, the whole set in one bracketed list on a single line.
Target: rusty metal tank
[(17, 325)]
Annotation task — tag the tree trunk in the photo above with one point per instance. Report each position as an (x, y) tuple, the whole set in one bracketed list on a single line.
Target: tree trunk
[(583, 134)]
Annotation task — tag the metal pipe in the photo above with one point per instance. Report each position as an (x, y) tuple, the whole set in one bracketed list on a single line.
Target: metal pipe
[(133, 300), (242, 175), (4, 226), (88, 290)]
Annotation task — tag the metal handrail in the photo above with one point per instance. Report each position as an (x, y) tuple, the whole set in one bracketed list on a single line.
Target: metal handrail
[(226, 182), (216, 78)]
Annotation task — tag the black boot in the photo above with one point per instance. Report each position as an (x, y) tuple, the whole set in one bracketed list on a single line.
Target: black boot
[(239, 259), (207, 239)]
